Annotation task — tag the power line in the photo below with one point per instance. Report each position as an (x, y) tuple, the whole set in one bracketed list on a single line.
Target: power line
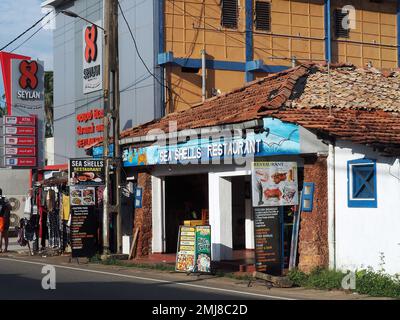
[(35, 33), (26, 31), (141, 59)]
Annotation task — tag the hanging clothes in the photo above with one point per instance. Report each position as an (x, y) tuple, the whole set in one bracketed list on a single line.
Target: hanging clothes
[(53, 225), (51, 200), (65, 207)]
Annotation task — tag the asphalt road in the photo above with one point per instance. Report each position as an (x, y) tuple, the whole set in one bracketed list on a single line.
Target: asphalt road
[(23, 280)]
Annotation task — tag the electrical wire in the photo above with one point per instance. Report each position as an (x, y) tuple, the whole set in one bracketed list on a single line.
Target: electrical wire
[(25, 32), (35, 33), (141, 59)]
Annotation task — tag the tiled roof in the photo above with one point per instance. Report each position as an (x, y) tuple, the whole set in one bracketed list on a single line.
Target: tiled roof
[(365, 105)]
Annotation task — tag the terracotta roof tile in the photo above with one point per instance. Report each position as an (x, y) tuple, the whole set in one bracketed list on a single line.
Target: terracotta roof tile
[(365, 104)]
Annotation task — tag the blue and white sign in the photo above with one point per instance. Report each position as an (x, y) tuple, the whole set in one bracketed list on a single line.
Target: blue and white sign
[(278, 138)]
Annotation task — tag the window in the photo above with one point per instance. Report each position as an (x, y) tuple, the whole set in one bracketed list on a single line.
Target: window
[(340, 32), (361, 185), (263, 15), (229, 14)]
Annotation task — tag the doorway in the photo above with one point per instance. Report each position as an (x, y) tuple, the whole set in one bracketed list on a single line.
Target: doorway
[(185, 199)]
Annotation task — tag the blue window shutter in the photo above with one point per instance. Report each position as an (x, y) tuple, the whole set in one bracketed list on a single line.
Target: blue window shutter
[(361, 183)]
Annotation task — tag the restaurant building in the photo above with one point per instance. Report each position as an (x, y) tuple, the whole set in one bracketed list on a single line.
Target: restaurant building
[(342, 138)]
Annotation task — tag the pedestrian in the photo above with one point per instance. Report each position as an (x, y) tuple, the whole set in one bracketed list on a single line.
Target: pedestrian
[(5, 209)]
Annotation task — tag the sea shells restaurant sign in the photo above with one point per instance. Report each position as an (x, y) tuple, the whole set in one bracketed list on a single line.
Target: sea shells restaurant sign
[(278, 138)]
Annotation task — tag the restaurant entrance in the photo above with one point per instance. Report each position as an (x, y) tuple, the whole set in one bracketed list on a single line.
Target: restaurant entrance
[(186, 198)]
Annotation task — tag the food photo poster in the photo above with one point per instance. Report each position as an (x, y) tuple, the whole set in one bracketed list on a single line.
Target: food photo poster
[(274, 184)]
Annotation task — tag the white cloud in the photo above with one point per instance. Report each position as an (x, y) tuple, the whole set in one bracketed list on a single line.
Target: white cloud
[(15, 17)]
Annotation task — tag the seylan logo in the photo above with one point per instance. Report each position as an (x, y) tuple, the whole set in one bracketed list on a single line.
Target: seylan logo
[(28, 74), (91, 46)]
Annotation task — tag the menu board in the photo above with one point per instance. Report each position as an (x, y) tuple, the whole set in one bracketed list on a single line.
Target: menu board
[(83, 231), (203, 249), (274, 184), (84, 222), (86, 172), (186, 249), (268, 246)]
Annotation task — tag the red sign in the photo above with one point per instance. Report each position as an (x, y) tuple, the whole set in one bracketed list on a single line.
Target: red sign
[(20, 131), (20, 162), (24, 151), (28, 77), (21, 141), (91, 46), (26, 121)]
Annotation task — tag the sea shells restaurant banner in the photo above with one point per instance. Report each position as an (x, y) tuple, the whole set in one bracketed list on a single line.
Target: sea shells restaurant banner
[(274, 184)]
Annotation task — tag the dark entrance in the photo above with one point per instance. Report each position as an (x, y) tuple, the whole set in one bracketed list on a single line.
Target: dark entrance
[(185, 198)]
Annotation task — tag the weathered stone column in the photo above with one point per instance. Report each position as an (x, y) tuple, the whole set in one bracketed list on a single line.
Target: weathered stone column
[(313, 238), (143, 216)]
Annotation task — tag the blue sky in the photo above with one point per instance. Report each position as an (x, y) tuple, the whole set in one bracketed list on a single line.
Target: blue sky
[(15, 17)]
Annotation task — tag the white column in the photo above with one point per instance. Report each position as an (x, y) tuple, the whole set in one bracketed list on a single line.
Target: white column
[(331, 208), (249, 225), (157, 214), (220, 216)]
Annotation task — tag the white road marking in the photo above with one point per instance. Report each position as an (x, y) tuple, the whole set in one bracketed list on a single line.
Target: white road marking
[(149, 279)]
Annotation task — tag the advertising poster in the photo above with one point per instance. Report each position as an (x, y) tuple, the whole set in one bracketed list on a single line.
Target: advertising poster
[(274, 184), (92, 58), (82, 196), (267, 232), (84, 222), (203, 249), (278, 138), (186, 249), (86, 172)]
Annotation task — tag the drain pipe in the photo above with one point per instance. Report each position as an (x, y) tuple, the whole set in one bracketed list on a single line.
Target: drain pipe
[(331, 208), (203, 74)]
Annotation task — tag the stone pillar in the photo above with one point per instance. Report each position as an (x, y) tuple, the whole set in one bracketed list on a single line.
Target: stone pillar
[(313, 237), (143, 216)]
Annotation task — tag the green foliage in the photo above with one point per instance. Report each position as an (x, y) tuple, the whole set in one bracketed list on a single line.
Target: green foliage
[(377, 284), (298, 278), (325, 279), (368, 282)]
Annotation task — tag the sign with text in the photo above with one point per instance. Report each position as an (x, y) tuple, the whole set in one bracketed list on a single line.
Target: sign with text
[(203, 249), (20, 131), (20, 162), (267, 232), (277, 138), (27, 121), (84, 221), (274, 184), (86, 171), (84, 224), (27, 117), (92, 58), (21, 151), (186, 249), (20, 141)]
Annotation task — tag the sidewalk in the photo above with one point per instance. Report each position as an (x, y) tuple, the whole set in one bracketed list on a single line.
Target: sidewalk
[(258, 287)]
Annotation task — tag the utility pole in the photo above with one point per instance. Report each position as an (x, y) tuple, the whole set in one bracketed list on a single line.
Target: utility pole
[(106, 121), (111, 117), (116, 106)]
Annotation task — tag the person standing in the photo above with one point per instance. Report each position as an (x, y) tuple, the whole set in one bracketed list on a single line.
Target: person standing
[(5, 210)]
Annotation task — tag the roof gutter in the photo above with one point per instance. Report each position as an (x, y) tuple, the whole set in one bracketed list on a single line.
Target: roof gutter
[(252, 124)]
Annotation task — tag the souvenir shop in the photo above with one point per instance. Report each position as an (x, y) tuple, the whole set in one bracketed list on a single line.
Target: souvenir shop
[(47, 214)]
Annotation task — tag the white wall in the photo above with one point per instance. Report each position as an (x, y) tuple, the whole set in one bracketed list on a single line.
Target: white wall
[(363, 233)]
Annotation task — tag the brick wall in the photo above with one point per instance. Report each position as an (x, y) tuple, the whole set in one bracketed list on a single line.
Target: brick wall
[(313, 240), (143, 217)]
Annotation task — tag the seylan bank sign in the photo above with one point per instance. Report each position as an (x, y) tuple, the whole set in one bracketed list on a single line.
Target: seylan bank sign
[(277, 138)]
